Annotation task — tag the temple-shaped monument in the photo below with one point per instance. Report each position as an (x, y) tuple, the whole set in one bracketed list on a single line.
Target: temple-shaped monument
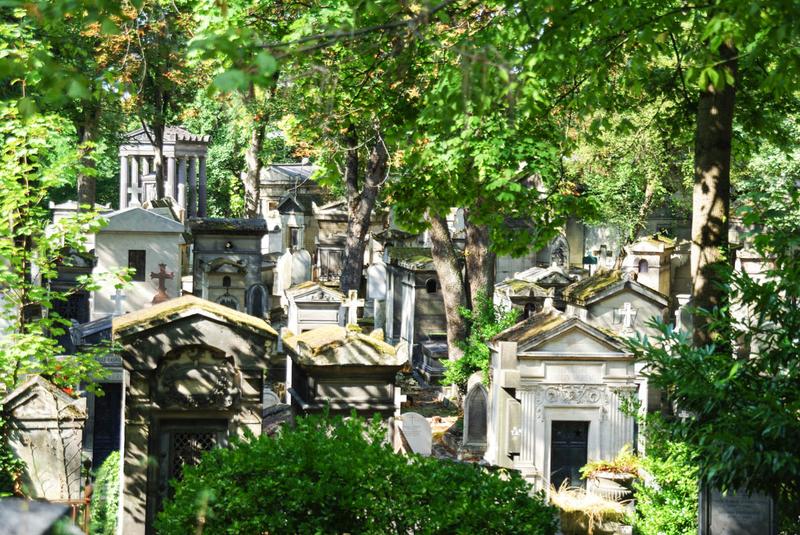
[(184, 169)]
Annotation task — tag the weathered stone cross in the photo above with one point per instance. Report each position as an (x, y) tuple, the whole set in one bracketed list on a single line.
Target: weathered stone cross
[(135, 193), (352, 304), (118, 298), (162, 276), (628, 313)]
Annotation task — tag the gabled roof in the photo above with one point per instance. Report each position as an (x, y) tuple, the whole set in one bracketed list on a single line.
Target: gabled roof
[(312, 291), (172, 134), (521, 288), (551, 323), (413, 258), (222, 225), (607, 283), (289, 203), (66, 407), (137, 219), (549, 276), (341, 346), (288, 172), (655, 243), (183, 307)]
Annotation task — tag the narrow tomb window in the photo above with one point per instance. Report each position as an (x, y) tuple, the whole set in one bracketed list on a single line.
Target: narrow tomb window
[(430, 286), (294, 237), (226, 282), (643, 266), (136, 262)]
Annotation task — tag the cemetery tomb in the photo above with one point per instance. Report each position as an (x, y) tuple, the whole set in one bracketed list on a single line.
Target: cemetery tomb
[(312, 305), (45, 431), (650, 258), (550, 369), (342, 368), (331, 239), (194, 378), (301, 267), (141, 240)]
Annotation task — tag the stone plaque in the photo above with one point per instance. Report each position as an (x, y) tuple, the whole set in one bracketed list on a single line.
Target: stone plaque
[(417, 432), (736, 513)]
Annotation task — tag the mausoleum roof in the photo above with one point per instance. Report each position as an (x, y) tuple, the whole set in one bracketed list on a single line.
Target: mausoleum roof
[(288, 172), (137, 219), (183, 307), (521, 288), (605, 283), (220, 225), (68, 407), (172, 134), (308, 286), (415, 258), (334, 345)]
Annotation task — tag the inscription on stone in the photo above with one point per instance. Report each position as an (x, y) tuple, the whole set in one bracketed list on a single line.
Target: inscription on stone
[(736, 514)]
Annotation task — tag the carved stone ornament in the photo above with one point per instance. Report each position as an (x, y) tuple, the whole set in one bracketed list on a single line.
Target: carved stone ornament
[(198, 386), (569, 394)]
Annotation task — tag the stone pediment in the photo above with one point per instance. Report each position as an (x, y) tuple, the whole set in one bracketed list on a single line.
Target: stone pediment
[(39, 399), (172, 134), (223, 265), (138, 219), (606, 284), (313, 292), (290, 205)]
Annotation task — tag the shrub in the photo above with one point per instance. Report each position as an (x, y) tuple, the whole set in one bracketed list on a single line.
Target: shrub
[(667, 504), (340, 476), (105, 497), (485, 322)]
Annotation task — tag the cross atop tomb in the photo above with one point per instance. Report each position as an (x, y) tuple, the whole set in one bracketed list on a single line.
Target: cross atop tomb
[(135, 192), (162, 277), (627, 313), (352, 304), (118, 298)]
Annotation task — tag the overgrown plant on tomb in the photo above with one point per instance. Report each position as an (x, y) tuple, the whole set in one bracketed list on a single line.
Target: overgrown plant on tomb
[(485, 321), (737, 397), (105, 497), (340, 474)]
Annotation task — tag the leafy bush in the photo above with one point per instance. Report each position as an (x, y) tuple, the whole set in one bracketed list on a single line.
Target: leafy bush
[(667, 505), (485, 321), (105, 497), (340, 476), (10, 465)]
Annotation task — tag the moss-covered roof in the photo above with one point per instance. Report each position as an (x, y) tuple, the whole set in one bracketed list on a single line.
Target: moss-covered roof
[(582, 290), (341, 346), (220, 225), (411, 257), (174, 308), (520, 287), (532, 327)]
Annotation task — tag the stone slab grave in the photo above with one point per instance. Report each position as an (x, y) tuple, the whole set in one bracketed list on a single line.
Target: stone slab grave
[(416, 431), (736, 513)]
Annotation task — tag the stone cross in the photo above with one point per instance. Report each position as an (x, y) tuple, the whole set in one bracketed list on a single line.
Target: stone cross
[(118, 298), (352, 304), (135, 192), (628, 313), (162, 276)]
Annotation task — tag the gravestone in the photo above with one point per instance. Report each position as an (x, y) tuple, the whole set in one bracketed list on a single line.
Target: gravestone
[(736, 513), (45, 431), (283, 274), (417, 432), (301, 267), (475, 416), (376, 282)]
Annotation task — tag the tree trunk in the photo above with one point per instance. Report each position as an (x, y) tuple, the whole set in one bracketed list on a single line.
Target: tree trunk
[(158, 157), (640, 223), (445, 260), (360, 205), (252, 191), (711, 195), (479, 260), (87, 184)]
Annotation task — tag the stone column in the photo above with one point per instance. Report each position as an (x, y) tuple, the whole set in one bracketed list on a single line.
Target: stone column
[(169, 189), (201, 209), (192, 193), (135, 183), (123, 182), (145, 165), (182, 182)]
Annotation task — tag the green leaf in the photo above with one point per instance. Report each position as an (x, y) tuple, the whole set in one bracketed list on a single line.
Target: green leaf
[(231, 80)]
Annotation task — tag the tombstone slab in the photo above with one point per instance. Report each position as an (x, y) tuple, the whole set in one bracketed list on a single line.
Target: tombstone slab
[(417, 431), (300, 267), (736, 513)]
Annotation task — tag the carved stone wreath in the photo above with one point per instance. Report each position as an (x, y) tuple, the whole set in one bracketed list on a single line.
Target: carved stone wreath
[(568, 394), (221, 394)]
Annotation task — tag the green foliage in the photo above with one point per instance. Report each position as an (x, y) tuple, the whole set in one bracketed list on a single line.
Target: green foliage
[(626, 462), (739, 394), (340, 476), (485, 321), (10, 465), (105, 497), (667, 503), (32, 249)]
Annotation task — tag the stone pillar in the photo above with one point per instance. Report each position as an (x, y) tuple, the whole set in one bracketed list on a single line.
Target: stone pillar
[(145, 165), (201, 209), (135, 183), (182, 182), (192, 193), (169, 189), (123, 182)]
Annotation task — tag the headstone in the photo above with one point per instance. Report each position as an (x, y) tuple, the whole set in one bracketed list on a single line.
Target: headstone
[(270, 398), (376, 282), (301, 266), (283, 274), (736, 513), (417, 432), (475, 416), (352, 304)]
